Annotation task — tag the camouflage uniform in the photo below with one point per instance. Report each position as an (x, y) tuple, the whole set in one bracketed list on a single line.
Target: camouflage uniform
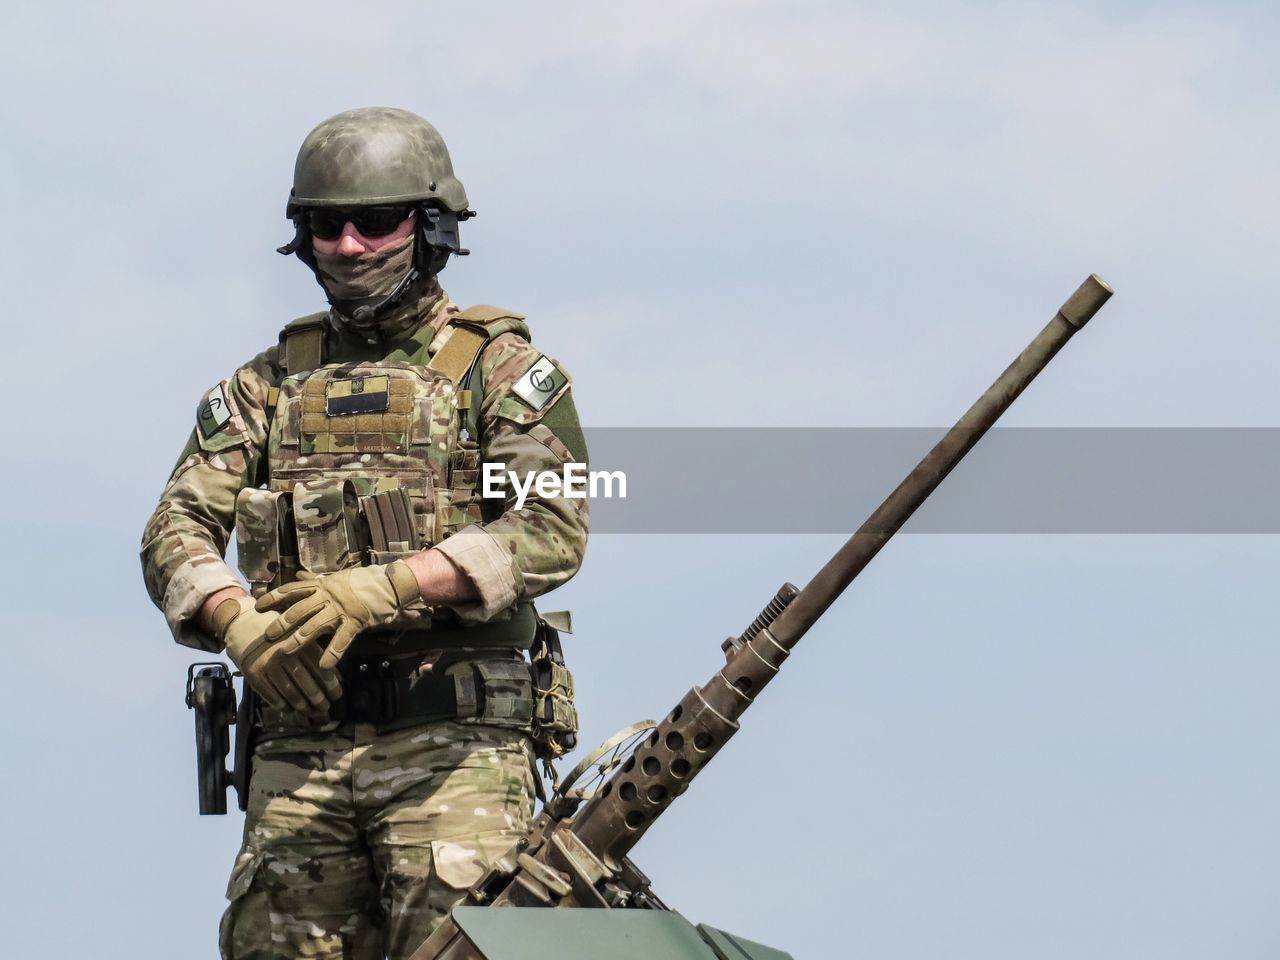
[(358, 840)]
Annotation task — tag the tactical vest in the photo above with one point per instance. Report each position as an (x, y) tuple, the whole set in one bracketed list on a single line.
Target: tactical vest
[(368, 461)]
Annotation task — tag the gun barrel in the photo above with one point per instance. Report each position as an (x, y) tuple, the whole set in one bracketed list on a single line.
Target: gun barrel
[(898, 507), (613, 821)]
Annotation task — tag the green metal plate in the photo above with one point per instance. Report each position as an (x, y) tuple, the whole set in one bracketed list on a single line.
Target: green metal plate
[(514, 933), (730, 947)]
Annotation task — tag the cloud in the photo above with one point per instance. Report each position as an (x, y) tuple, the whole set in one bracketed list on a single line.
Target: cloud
[(1053, 120), (653, 168)]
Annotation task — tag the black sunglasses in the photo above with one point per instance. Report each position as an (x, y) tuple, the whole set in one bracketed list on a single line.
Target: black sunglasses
[(326, 223)]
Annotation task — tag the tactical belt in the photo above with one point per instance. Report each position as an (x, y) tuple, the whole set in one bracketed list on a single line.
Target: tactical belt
[(396, 693), (391, 694), (515, 632), (384, 693)]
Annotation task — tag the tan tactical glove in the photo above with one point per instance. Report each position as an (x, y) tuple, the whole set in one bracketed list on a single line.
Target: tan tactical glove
[(341, 604), (286, 674)]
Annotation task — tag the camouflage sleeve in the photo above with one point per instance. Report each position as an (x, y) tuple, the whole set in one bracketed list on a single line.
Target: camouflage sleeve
[(522, 553), (185, 541)]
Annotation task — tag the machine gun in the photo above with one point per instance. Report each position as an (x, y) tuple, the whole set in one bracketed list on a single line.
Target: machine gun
[(574, 854)]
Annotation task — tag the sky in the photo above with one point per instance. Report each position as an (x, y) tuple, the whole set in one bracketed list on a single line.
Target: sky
[(714, 214)]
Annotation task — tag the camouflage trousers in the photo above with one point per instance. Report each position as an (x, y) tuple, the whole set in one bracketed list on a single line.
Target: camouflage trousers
[(357, 844)]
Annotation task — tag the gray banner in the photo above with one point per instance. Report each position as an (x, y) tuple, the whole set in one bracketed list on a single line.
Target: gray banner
[(1016, 480)]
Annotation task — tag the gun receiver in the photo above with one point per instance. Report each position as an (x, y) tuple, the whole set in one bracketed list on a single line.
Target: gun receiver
[(574, 857)]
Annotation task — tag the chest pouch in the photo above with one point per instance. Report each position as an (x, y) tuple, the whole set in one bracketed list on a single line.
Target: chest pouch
[(266, 544), (461, 504), (330, 530), (392, 531)]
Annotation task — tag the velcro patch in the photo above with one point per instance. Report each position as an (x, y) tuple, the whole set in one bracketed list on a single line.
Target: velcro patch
[(539, 383), (214, 413), (343, 398)]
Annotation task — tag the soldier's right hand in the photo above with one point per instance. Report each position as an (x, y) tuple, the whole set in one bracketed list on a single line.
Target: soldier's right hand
[(286, 673)]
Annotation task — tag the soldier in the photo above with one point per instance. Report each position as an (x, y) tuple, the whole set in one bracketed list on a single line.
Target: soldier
[(388, 640)]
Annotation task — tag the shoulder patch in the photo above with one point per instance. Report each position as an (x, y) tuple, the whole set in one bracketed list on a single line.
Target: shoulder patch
[(214, 411), (219, 424), (540, 382)]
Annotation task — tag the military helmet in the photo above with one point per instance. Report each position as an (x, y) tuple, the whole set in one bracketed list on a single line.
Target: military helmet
[(378, 156), (374, 155)]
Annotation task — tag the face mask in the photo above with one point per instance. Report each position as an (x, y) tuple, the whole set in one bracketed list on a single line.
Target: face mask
[(365, 279)]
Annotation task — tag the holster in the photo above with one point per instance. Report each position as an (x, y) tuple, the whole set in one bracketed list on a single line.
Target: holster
[(211, 694), (246, 737), (212, 697)]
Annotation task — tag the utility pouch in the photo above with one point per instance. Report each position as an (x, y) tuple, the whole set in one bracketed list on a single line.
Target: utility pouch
[(462, 504), (555, 717), (496, 692), (326, 516), (392, 533), (266, 544)]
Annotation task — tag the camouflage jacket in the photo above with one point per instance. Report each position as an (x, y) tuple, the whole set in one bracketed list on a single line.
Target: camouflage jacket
[(510, 554)]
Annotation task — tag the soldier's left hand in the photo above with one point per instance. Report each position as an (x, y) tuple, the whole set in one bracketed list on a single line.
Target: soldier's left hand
[(340, 605)]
